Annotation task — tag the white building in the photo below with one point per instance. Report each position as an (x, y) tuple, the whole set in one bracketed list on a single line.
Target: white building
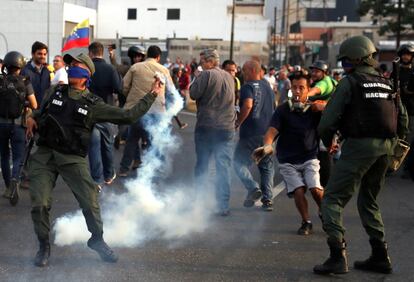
[(48, 21), (189, 19)]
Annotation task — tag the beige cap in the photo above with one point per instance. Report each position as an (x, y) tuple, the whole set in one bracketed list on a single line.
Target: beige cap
[(81, 58)]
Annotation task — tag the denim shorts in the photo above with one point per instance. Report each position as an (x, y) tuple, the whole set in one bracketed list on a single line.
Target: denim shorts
[(301, 175)]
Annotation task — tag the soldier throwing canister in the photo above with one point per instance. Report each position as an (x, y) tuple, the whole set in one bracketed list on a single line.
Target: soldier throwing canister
[(64, 123), (365, 111)]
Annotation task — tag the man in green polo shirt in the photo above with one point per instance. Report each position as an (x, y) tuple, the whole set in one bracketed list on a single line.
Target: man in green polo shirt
[(323, 85), (321, 89)]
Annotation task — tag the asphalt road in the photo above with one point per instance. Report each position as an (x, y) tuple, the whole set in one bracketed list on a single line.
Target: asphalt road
[(249, 245)]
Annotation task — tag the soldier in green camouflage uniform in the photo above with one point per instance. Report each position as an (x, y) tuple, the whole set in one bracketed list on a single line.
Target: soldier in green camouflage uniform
[(64, 123), (364, 109)]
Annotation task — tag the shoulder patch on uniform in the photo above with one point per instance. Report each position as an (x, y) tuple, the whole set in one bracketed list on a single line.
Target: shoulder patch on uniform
[(92, 98)]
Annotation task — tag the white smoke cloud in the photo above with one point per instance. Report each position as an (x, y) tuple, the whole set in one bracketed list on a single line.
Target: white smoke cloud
[(143, 212)]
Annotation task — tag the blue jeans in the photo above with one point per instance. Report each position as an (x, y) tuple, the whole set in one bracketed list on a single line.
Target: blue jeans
[(101, 152), (131, 150), (14, 135), (219, 143), (242, 161)]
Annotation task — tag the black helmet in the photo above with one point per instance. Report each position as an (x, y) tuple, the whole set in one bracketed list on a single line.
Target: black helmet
[(135, 50), (320, 65), (14, 59), (405, 48)]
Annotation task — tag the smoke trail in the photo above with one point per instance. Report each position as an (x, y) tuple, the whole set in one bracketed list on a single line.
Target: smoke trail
[(143, 212)]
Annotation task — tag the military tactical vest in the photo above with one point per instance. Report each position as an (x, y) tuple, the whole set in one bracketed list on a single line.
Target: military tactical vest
[(63, 123), (12, 96), (372, 111)]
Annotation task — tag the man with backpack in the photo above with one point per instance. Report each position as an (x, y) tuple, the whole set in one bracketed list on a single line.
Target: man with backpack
[(15, 91)]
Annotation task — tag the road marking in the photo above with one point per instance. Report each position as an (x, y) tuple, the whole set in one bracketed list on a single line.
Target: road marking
[(188, 114), (275, 191)]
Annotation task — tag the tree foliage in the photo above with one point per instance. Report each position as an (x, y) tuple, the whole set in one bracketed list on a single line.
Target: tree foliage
[(387, 11)]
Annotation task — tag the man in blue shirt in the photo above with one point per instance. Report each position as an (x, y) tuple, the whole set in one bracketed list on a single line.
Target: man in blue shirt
[(37, 70), (40, 78), (257, 103), (295, 123), (104, 82)]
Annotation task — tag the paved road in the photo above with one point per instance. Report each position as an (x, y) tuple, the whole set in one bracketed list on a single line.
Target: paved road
[(249, 245)]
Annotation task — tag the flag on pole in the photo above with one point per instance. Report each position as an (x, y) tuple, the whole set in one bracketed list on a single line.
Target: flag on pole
[(79, 37)]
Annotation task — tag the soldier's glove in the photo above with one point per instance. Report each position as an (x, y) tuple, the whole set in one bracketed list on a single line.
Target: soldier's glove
[(400, 152), (261, 152)]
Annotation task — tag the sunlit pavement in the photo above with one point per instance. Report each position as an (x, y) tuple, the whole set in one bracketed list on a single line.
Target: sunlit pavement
[(248, 245)]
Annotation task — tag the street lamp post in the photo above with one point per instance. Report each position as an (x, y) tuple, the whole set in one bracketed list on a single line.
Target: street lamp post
[(287, 30), (48, 14), (232, 30), (5, 42), (274, 37), (398, 25), (282, 30)]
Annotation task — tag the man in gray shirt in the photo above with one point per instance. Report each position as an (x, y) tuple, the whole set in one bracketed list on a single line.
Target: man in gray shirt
[(213, 91), (284, 86)]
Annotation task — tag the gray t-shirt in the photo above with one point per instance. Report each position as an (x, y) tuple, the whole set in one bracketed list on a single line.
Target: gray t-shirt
[(213, 91), (283, 88)]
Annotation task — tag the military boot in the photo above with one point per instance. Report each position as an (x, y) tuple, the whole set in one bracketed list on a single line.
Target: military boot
[(42, 256), (104, 251), (337, 262), (379, 261)]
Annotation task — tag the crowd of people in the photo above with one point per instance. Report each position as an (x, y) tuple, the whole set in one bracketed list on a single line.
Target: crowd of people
[(331, 133), (361, 120)]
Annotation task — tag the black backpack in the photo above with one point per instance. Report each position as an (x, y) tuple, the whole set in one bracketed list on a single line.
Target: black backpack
[(12, 96)]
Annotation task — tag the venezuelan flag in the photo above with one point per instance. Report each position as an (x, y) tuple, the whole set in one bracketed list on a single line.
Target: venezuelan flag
[(79, 37)]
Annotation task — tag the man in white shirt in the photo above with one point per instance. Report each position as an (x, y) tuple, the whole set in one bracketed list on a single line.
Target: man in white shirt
[(270, 77), (61, 76)]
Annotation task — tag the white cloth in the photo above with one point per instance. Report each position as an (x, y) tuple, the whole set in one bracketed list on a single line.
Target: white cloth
[(60, 76), (272, 81)]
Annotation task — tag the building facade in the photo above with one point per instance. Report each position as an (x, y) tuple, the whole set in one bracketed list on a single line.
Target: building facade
[(182, 24), (192, 20), (48, 21)]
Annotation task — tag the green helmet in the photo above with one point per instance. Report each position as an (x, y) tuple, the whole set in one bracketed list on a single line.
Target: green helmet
[(356, 47)]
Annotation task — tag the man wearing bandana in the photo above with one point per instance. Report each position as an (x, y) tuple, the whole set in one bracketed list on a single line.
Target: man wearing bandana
[(64, 123), (294, 125)]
